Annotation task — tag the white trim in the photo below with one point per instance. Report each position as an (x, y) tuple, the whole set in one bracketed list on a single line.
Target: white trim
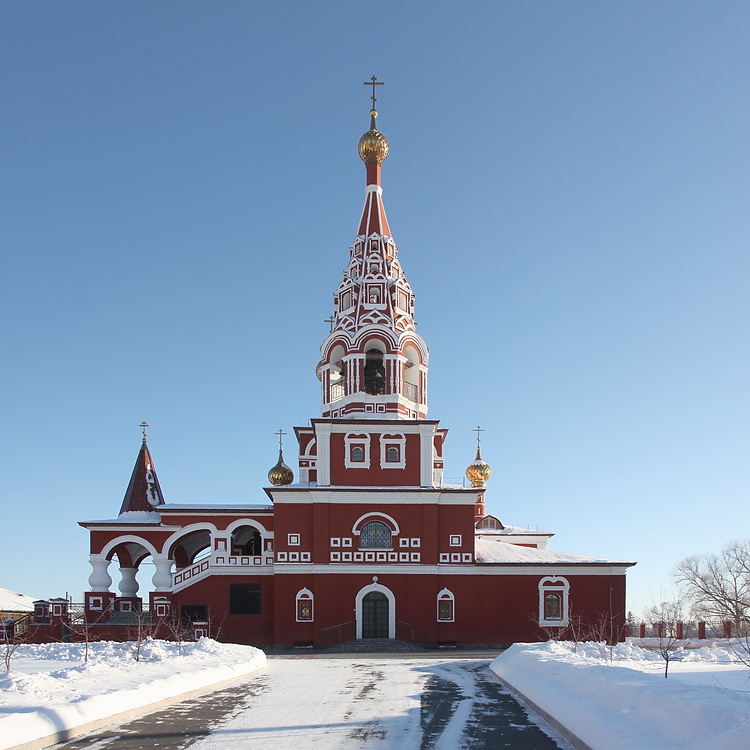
[(356, 497), (126, 539), (556, 585), (391, 608), (452, 569), (389, 440), (352, 439), (445, 595), (304, 595), (395, 531)]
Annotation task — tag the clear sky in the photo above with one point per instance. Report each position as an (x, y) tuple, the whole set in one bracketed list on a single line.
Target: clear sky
[(568, 186)]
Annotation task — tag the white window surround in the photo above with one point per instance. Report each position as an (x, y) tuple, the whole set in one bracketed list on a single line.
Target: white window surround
[(388, 440), (391, 608), (352, 439), (554, 585), (446, 596), (388, 520), (304, 595)]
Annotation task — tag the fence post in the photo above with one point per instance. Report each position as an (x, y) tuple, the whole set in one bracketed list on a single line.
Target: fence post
[(642, 630), (727, 628), (702, 630), (679, 629), (660, 630)]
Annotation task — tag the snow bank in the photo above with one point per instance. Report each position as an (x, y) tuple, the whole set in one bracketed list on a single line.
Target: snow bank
[(51, 692), (627, 703)]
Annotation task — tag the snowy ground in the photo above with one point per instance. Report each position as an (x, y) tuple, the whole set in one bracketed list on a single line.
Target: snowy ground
[(50, 689), (622, 704), (626, 703)]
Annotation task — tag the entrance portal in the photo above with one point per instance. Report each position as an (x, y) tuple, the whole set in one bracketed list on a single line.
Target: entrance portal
[(375, 615)]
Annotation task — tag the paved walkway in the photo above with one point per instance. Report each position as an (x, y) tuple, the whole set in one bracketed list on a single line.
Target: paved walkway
[(408, 703)]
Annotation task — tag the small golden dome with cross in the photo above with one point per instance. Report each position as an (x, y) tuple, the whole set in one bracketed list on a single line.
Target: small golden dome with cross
[(373, 145), (478, 471), (280, 475)]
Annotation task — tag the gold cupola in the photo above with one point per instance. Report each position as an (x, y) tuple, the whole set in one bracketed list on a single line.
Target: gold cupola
[(373, 145), (478, 471), (280, 475)]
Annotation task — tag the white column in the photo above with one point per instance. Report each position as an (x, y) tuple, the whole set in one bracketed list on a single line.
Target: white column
[(99, 580), (162, 579), (128, 584), (426, 459), (323, 437)]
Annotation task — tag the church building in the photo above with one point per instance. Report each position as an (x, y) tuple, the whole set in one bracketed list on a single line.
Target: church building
[(364, 539)]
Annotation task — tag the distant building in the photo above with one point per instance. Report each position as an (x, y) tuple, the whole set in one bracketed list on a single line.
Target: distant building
[(369, 541)]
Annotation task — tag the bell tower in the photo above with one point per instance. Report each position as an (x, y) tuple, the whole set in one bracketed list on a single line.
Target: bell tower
[(374, 363)]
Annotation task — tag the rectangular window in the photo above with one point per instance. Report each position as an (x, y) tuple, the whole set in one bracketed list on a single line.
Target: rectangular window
[(304, 609), (552, 607), (244, 598), (190, 613), (445, 610)]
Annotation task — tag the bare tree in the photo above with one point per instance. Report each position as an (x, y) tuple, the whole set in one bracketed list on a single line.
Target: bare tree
[(719, 585)]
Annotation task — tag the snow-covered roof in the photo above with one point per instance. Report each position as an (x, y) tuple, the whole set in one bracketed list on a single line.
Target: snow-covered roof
[(10, 601), (218, 506), (491, 551), (512, 531)]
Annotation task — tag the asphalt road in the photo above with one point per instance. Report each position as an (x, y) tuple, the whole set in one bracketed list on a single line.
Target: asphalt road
[(412, 703)]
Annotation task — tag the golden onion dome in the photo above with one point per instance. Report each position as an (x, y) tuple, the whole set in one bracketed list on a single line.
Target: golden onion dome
[(478, 471), (373, 145), (280, 474)]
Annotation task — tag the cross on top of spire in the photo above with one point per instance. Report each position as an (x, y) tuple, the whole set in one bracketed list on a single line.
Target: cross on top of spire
[(373, 82), (143, 425), (280, 433), (478, 429)]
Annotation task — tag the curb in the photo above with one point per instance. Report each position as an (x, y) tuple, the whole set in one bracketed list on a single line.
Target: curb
[(573, 739), (66, 735)]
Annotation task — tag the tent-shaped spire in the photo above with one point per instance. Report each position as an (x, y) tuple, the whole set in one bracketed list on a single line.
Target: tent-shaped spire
[(143, 493)]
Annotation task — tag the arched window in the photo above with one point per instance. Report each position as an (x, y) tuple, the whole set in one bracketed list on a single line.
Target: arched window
[(374, 372), (553, 601), (375, 534), (392, 454), (304, 606), (358, 454), (446, 606)]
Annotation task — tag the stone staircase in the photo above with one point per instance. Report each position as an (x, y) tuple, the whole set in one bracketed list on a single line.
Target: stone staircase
[(374, 646)]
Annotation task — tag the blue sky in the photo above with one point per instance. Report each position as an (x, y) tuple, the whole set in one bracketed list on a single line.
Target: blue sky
[(568, 186)]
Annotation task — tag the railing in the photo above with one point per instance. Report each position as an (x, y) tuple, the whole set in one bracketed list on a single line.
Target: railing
[(411, 392), (413, 634), (332, 636), (337, 391), (220, 560)]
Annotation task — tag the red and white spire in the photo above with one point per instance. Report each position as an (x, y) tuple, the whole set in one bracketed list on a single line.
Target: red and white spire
[(374, 364), (144, 492)]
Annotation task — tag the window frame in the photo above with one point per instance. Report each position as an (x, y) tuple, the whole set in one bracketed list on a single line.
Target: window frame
[(446, 599), (559, 587)]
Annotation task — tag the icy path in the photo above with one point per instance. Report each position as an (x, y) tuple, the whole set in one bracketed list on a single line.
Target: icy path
[(378, 703), (328, 703)]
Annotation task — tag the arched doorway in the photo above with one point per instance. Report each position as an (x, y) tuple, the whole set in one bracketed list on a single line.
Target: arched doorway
[(375, 615)]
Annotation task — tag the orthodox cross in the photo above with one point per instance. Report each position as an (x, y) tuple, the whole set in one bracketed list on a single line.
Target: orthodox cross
[(143, 425), (373, 82), (330, 321), (280, 433), (478, 429)]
